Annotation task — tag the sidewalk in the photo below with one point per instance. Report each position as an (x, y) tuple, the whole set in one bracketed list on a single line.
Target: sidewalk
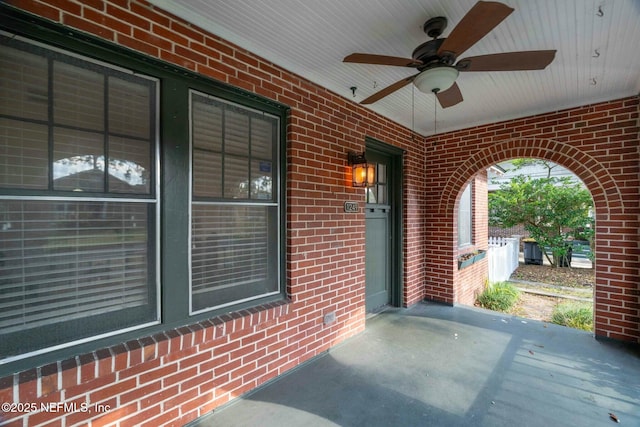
[(576, 261)]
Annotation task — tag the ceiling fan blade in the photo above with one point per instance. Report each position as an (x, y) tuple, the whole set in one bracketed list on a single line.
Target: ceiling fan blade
[(450, 97), (510, 61), (388, 90), (368, 58), (481, 18)]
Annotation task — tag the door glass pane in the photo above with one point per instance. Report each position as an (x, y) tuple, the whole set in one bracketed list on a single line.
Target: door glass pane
[(382, 173), (378, 193), (382, 194), (371, 195)]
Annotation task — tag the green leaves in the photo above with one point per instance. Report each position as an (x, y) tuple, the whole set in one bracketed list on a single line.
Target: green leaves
[(551, 209), (499, 296)]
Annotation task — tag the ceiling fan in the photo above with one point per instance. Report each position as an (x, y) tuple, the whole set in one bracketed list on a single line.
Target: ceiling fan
[(436, 59)]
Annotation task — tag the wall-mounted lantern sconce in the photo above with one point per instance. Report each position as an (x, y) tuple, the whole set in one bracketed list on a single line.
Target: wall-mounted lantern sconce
[(364, 173)]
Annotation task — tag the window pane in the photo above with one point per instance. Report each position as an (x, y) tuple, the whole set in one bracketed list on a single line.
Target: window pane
[(23, 84), (73, 267), (234, 253), (206, 126), (262, 138), (371, 195), (236, 133), (78, 160), (129, 166), (24, 157), (234, 247), (382, 173), (207, 171), (261, 182), (66, 260), (236, 178), (129, 108), (464, 217), (78, 97), (382, 194)]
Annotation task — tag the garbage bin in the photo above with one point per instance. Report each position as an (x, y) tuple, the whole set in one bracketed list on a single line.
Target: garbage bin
[(565, 260), (532, 253)]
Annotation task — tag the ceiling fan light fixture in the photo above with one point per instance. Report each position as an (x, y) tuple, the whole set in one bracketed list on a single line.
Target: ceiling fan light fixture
[(436, 79)]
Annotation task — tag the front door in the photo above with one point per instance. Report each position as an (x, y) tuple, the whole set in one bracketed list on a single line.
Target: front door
[(378, 235)]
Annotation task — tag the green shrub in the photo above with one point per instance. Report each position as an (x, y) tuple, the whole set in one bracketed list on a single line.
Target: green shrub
[(574, 315), (499, 296)]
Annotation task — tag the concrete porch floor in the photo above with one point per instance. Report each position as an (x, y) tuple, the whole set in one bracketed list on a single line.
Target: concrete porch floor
[(435, 365)]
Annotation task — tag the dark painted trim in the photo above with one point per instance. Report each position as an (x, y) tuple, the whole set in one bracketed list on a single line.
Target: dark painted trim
[(396, 184), (174, 157)]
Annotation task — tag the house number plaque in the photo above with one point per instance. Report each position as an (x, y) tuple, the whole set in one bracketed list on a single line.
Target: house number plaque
[(351, 207)]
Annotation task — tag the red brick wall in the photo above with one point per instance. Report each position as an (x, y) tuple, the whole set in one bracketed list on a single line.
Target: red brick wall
[(414, 226), (516, 230), (176, 376), (600, 144), (470, 281)]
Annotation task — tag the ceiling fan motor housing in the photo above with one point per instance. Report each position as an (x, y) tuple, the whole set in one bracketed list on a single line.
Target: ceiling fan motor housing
[(435, 26), (427, 52), (435, 60)]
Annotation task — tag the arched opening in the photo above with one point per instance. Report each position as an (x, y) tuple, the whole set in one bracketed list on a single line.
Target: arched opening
[(608, 206), (540, 243)]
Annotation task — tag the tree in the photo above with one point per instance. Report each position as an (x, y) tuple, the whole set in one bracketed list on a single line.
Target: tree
[(551, 209), (521, 163)]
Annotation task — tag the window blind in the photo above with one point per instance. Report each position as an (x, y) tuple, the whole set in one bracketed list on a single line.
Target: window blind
[(77, 257), (234, 213), (64, 260), (230, 253)]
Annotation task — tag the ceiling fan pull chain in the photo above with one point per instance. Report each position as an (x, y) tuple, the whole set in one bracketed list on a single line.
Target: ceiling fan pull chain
[(413, 112), (435, 114)]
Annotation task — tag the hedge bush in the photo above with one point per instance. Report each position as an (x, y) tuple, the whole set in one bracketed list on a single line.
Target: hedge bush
[(499, 296), (574, 315)]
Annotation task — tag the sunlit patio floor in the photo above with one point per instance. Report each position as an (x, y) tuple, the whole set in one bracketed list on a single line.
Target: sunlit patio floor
[(436, 365)]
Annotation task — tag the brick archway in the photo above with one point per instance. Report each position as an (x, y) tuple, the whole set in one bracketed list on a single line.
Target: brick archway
[(599, 144), (603, 188), (605, 192)]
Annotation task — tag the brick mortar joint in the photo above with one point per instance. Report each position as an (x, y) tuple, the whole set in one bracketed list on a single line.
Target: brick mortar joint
[(277, 309)]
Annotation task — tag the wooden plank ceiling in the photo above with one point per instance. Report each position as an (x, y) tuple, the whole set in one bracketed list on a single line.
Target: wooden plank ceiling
[(596, 41)]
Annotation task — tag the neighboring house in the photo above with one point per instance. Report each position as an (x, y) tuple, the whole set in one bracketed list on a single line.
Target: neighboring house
[(504, 171), (245, 251)]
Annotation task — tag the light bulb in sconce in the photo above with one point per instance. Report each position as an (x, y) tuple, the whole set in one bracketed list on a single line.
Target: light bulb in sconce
[(363, 173)]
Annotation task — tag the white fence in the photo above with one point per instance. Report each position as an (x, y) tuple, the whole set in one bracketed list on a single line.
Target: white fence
[(502, 257)]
